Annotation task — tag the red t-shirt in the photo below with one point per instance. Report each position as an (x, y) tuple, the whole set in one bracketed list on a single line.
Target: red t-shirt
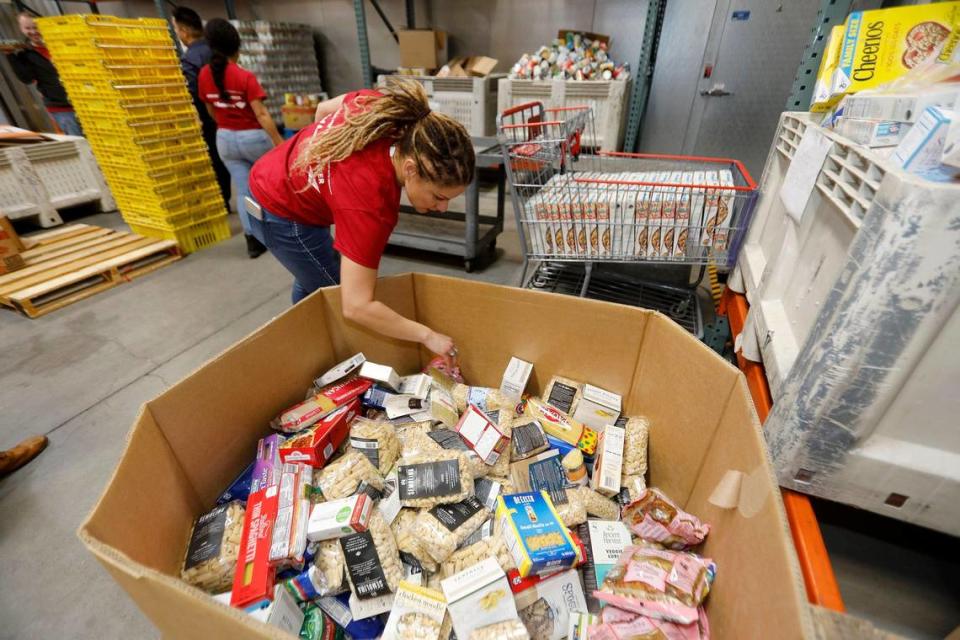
[(241, 86), (359, 194)]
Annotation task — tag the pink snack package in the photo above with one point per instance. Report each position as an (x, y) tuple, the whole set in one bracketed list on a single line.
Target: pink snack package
[(654, 517), (617, 624), (658, 583), (438, 364)]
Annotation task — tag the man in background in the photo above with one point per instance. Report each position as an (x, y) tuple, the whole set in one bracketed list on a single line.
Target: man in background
[(31, 62), (196, 54)]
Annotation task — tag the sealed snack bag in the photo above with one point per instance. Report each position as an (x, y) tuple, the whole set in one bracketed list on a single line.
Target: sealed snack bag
[(654, 517)]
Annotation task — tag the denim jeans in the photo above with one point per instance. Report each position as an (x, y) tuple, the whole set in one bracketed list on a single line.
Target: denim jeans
[(67, 121), (305, 250), (239, 150)]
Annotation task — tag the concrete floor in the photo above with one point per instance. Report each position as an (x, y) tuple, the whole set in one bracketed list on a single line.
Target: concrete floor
[(80, 374)]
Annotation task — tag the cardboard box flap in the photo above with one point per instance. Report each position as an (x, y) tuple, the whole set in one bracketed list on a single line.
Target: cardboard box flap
[(684, 398), (742, 534)]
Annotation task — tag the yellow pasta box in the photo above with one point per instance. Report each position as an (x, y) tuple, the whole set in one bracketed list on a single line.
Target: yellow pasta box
[(881, 45), (534, 534), (822, 100)]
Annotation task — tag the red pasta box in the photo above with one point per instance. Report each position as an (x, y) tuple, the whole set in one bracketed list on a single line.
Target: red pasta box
[(317, 444), (482, 435), (254, 578), (312, 410)]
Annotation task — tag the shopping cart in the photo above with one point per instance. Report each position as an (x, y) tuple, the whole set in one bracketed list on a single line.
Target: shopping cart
[(575, 204)]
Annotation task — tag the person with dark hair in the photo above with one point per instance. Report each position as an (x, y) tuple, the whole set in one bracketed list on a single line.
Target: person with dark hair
[(348, 169), (245, 129), (31, 63), (196, 54)]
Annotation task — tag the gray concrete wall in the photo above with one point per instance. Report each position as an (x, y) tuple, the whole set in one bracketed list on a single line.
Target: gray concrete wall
[(503, 29)]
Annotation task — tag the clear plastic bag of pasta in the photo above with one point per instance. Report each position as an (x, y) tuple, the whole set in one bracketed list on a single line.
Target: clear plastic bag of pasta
[(211, 556)]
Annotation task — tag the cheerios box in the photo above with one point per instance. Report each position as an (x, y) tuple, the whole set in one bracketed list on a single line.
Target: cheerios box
[(881, 45), (534, 534)]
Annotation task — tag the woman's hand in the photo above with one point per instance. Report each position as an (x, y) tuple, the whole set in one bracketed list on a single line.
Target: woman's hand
[(442, 346)]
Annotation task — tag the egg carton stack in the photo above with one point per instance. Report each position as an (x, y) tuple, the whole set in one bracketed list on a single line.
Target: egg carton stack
[(283, 58), (124, 81), (573, 57)]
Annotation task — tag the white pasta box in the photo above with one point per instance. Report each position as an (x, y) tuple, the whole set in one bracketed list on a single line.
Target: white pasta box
[(900, 107), (382, 374), (668, 227), (515, 378), (597, 407), (682, 232), (533, 213), (697, 201), (712, 179), (921, 149), (603, 209), (417, 612), (566, 222), (873, 133), (579, 215), (339, 517), (609, 461), (725, 210), (638, 238), (546, 604), (418, 385), (398, 405), (482, 434), (477, 596), (604, 540), (342, 370), (282, 613)]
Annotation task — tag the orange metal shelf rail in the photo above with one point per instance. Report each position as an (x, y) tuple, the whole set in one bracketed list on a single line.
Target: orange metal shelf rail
[(815, 564)]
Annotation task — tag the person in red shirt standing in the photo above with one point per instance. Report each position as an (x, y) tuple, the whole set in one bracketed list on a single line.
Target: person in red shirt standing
[(234, 99), (347, 169)]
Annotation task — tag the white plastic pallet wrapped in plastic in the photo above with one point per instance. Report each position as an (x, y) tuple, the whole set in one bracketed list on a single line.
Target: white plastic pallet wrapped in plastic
[(38, 179), (867, 288)]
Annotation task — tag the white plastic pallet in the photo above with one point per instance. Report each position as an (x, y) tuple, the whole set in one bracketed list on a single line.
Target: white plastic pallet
[(38, 179), (854, 314), (470, 101), (607, 98)]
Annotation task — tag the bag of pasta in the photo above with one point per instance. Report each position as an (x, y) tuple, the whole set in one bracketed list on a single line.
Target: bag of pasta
[(442, 528), (211, 556), (342, 477), (377, 440), (654, 517), (408, 542), (372, 559), (434, 478)]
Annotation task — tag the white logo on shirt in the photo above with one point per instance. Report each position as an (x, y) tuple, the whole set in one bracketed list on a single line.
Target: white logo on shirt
[(315, 179)]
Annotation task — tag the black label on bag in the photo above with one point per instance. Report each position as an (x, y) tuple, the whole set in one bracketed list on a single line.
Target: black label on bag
[(484, 532), (561, 396), (429, 479), (528, 439), (448, 439), (370, 447), (207, 536), (494, 416), (410, 559), (623, 498), (452, 516), (558, 496), (486, 491), (547, 474), (372, 492), (621, 422), (364, 566)]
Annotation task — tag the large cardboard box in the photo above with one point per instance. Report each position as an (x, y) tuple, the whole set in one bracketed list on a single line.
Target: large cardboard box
[(424, 48), (188, 444)]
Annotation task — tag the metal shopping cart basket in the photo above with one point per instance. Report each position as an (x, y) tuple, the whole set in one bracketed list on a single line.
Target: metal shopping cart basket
[(576, 206)]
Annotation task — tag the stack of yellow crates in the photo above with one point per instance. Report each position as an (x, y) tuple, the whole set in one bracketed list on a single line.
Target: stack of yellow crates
[(124, 80)]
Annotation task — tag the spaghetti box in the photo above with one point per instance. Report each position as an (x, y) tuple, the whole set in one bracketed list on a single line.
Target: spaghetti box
[(482, 435), (253, 581), (478, 596), (597, 407), (609, 462), (339, 517), (340, 371), (267, 464), (381, 374), (534, 534), (515, 378), (317, 444), (315, 408)]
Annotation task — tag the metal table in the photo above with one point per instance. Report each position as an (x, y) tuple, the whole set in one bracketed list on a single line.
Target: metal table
[(466, 234)]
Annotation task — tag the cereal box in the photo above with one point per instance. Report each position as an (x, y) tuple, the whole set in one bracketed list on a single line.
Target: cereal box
[(712, 179), (821, 100), (697, 201), (881, 45), (725, 202), (655, 216), (534, 534), (668, 215), (683, 217)]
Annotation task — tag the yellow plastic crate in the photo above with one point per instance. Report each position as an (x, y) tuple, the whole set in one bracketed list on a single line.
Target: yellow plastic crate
[(138, 213), (142, 136), (190, 238), (163, 181), (122, 72)]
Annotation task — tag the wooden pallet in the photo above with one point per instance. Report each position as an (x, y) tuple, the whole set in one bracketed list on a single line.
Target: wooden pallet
[(76, 261)]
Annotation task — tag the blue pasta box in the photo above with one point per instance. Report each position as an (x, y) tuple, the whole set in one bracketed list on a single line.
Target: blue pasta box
[(534, 534)]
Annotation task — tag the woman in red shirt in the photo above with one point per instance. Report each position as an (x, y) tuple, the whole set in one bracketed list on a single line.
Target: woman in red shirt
[(234, 99), (347, 169)]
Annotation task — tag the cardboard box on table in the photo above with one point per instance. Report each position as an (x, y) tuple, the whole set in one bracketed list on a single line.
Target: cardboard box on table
[(188, 444)]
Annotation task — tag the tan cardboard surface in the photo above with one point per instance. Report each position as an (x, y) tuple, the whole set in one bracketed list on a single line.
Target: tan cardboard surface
[(192, 440)]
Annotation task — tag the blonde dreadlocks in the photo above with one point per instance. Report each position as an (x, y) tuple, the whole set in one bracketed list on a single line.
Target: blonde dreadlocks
[(438, 144)]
